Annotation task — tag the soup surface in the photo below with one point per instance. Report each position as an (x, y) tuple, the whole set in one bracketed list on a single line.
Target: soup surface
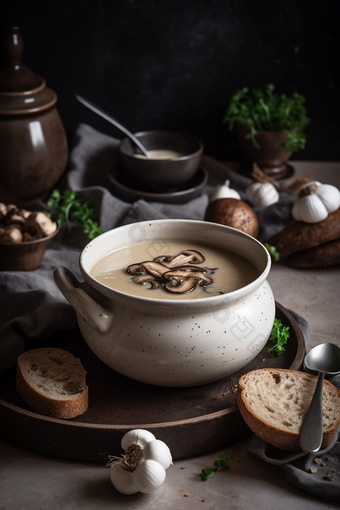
[(161, 154), (174, 270)]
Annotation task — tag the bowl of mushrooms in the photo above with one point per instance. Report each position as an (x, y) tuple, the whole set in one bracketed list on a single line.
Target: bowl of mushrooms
[(24, 237)]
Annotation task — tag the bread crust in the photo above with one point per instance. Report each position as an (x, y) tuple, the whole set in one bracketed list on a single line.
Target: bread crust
[(298, 235), (66, 408), (276, 436), (327, 254)]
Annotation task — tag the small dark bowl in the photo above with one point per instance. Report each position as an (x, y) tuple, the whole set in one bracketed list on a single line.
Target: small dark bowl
[(25, 256), (161, 174)]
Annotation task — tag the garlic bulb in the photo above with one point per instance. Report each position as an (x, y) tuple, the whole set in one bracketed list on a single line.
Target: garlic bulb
[(142, 467), (224, 191), (262, 191), (315, 202), (262, 194)]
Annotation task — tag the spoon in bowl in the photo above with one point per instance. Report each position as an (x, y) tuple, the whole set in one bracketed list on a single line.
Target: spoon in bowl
[(324, 359), (113, 121)]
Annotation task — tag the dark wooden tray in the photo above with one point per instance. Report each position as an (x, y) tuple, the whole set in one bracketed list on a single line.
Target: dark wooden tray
[(191, 421)]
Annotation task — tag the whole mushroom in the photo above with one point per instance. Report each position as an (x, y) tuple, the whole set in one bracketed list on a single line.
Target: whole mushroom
[(233, 213)]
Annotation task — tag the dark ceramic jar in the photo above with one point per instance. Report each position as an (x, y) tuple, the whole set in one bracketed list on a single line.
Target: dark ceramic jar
[(33, 144)]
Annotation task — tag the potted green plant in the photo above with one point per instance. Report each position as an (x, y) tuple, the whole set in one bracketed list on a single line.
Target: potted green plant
[(269, 126)]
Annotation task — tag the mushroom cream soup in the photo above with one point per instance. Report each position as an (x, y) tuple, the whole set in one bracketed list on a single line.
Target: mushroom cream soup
[(161, 154), (174, 270)]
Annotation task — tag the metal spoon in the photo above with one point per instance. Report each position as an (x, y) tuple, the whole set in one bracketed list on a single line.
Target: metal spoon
[(324, 359), (113, 121)]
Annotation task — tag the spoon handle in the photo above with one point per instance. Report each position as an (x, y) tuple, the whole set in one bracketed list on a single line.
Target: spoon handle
[(312, 429), (113, 121)]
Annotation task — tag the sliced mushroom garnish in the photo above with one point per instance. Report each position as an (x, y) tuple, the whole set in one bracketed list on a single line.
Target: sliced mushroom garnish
[(154, 284), (182, 285), (186, 257), (151, 267), (185, 280), (202, 278), (155, 268), (164, 258), (172, 271), (191, 268), (136, 269)]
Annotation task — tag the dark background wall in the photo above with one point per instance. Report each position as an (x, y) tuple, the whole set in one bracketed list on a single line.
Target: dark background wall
[(173, 64)]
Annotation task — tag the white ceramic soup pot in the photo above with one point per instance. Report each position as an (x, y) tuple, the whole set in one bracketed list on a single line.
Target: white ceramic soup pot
[(166, 342)]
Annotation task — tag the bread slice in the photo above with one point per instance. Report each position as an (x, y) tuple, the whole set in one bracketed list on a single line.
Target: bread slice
[(52, 382), (273, 403)]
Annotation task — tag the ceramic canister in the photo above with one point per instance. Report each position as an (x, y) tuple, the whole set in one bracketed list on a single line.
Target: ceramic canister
[(33, 145)]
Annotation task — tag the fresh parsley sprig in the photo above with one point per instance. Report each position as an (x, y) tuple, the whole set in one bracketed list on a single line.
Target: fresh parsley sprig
[(67, 209), (222, 464), (273, 252), (279, 335), (264, 109)]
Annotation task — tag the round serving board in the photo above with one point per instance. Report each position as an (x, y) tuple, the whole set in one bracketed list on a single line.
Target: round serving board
[(190, 421)]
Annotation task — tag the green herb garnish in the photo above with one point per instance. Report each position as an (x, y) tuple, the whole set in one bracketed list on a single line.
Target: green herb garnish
[(279, 335), (222, 464), (273, 252), (264, 109), (67, 209)]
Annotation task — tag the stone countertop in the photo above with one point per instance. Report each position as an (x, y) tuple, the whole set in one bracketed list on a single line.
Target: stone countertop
[(30, 481)]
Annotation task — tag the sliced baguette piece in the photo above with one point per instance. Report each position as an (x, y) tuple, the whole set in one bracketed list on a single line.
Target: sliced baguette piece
[(52, 382), (273, 403)]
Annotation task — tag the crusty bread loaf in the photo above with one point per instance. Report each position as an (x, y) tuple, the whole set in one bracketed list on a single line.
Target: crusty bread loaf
[(298, 235), (273, 403), (324, 255), (52, 382)]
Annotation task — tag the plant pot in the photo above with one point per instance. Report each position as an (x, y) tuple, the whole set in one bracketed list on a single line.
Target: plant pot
[(271, 157)]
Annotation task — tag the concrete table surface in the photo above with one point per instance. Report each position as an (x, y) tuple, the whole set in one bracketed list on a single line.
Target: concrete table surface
[(30, 481)]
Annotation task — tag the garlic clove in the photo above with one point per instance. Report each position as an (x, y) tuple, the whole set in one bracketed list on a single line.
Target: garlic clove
[(224, 191), (330, 197), (309, 209), (262, 194), (122, 480), (158, 451), (148, 476), (137, 436)]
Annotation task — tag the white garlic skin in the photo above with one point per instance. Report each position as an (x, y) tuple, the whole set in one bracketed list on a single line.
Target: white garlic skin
[(137, 436), (224, 191), (158, 451), (148, 476), (317, 206), (122, 480), (262, 194)]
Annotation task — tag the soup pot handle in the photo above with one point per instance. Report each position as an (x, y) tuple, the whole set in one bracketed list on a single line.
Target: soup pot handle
[(91, 311)]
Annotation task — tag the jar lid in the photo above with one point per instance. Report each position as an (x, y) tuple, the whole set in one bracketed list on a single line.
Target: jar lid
[(21, 90)]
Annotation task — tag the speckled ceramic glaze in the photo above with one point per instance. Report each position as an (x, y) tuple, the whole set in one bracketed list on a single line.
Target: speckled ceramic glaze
[(168, 342)]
